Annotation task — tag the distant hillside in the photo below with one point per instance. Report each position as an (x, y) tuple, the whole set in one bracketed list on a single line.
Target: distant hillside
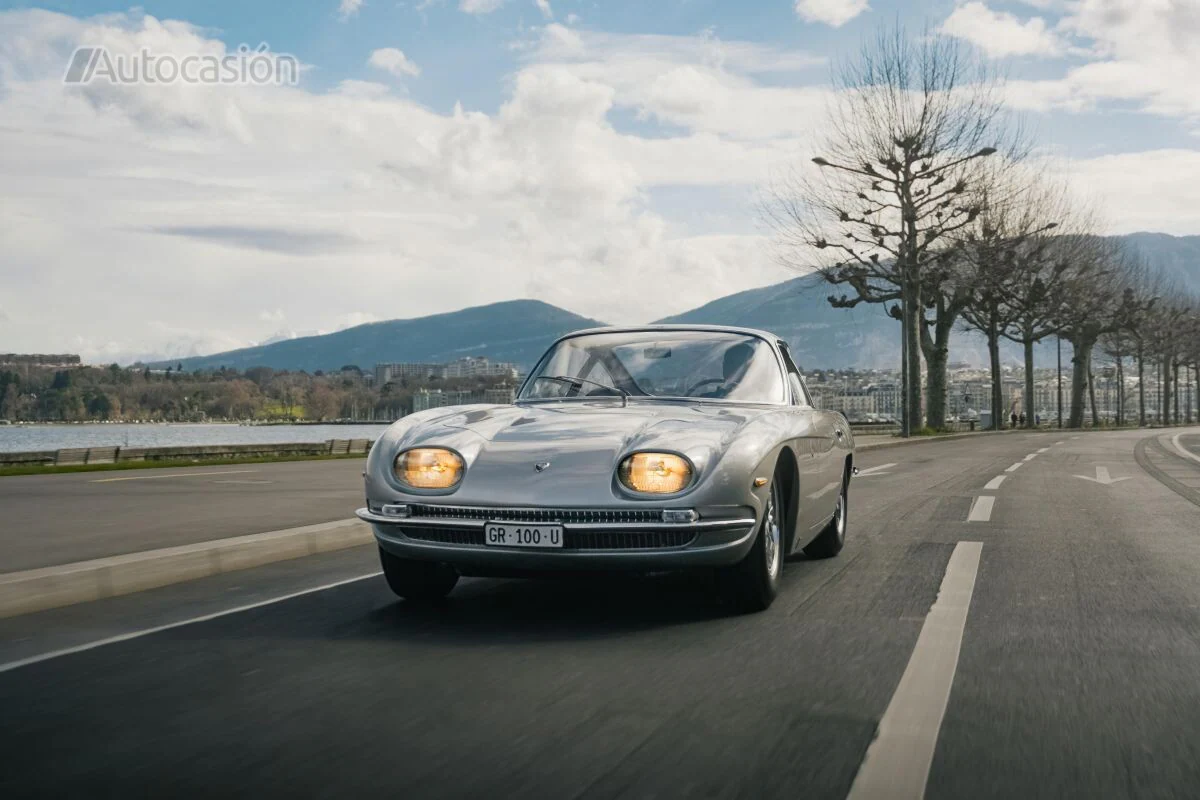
[(518, 331), (1177, 256)]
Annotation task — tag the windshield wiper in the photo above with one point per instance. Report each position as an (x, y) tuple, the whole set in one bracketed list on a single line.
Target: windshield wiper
[(578, 383)]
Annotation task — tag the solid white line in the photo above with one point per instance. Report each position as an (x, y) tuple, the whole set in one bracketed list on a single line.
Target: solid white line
[(897, 763), (1015, 467), (981, 509), (873, 470), (1182, 450), (124, 637), (995, 482), (1031, 456), (183, 474)]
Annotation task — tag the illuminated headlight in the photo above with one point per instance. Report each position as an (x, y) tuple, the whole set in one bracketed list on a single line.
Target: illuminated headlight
[(429, 468), (655, 473)]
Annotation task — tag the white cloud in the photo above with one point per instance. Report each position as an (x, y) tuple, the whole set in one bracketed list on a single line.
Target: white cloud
[(348, 8), (544, 7), (393, 61), (193, 204), (1000, 34), (1140, 52), (1154, 190), (835, 13), (572, 18), (479, 6)]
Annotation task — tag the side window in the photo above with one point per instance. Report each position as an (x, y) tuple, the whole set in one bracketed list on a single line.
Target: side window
[(799, 392)]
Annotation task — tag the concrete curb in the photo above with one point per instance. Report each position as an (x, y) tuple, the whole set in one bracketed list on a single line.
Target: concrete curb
[(83, 581), (945, 437)]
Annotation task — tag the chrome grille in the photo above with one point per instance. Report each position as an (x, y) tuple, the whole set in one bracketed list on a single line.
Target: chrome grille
[(572, 540), (570, 516)]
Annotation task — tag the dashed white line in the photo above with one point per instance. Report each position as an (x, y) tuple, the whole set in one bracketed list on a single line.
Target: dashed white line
[(981, 509), (124, 637), (873, 470), (1031, 456), (1044, 449), (897, 763), (1060, 442), (1015, 467), (995, 482)]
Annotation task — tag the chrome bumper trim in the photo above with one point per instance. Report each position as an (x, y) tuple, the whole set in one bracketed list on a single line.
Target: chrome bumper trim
[(417, 522)]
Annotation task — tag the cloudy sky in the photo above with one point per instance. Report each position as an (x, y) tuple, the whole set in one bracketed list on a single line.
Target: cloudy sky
[(437, 154)]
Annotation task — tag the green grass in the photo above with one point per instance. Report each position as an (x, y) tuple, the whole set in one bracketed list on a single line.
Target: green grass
[(50, 469)]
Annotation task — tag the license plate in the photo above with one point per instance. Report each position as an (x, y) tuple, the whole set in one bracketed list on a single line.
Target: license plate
[(519, 534)]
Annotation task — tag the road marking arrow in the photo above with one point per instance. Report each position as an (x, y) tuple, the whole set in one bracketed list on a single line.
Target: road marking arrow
[(1102, 477), (863, 473)]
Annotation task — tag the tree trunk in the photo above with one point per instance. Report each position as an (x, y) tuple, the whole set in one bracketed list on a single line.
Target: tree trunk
[(1120, 386), (1081, 354), (1141, 386), (1175, 387), (912, 333), (936, 349), (1092, 391), (1165, 391), (998, 409), (1029, 410)]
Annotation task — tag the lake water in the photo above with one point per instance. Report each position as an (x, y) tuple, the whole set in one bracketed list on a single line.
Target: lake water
[(17, 438)]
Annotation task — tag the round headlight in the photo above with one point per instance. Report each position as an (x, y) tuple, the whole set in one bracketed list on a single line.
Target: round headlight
[(429, 468), (655, 473)]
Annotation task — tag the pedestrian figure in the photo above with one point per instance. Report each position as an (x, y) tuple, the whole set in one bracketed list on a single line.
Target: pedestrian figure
[(1014, 419)]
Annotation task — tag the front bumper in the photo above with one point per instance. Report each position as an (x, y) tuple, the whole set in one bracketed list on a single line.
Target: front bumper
[(719, 539)]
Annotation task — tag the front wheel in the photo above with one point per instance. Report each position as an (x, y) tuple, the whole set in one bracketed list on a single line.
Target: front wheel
[(417, 580), (752, 584)]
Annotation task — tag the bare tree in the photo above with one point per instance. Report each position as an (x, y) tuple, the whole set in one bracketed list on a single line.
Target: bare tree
[(898, 165), (1101, 299)]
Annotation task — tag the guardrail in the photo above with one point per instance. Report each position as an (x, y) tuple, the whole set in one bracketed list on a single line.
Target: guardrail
[(113, 455)]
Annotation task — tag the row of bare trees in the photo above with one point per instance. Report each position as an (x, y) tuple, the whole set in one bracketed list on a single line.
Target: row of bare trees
[(924, 198)]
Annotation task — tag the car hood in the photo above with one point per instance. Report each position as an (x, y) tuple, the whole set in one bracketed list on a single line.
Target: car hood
[(581, 441)]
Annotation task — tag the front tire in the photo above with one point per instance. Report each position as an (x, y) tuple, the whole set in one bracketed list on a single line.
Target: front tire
[(753, 583), (418, 581), (833, 536)]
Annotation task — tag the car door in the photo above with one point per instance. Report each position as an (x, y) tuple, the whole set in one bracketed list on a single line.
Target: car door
[(810, 446), (819, 484)]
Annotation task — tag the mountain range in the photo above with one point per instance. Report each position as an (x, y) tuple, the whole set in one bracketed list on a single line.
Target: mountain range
[(520, 330)]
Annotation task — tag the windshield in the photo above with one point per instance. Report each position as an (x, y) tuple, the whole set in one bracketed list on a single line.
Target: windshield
[(700, 364)]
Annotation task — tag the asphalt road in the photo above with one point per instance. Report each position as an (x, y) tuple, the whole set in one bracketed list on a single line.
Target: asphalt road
[(1077, 674), (59, 519)]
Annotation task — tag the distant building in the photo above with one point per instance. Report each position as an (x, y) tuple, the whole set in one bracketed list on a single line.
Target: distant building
[(468, 367), (386, 373), (426, 399), (477, 367)]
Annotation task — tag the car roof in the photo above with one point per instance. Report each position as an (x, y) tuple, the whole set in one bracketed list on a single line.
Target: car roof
[(767, 335)]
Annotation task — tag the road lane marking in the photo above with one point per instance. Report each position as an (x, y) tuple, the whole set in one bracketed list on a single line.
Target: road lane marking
[(1031, 456), (981, 509), (1183, 451), (874, 470), (1015, 467), (1044, 449), (995, 482), (1103, 478), (897, 763), (125, 637), (173, 475), (1060, 442)]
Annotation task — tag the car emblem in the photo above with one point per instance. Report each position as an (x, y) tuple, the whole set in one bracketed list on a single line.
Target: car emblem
[(541, 466)]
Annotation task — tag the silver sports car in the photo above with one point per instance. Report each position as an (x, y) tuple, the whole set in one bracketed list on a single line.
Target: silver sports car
[(653, 448)]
